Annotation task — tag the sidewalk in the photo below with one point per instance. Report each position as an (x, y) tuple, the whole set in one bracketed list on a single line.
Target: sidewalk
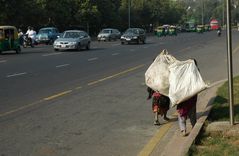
[(174, 144)]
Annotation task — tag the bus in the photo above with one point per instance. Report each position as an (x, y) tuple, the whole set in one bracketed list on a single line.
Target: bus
[(214, 24)]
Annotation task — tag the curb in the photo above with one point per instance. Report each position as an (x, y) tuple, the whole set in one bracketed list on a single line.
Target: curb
[(173, 143), (201, 120)]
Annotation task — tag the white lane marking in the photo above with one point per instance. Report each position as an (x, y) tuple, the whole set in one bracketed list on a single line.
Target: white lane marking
[(92, 59), (3, 61), (16, 74), (62, 65), (145, 47), (115, 54), (52, 54)]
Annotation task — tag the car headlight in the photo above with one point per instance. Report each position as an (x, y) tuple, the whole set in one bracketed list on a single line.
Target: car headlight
[(135, 37), (56, 42)]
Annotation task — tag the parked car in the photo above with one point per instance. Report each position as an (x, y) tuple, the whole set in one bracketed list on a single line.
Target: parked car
[(73, 39), (133, 35), (108, 34), (47, 35)]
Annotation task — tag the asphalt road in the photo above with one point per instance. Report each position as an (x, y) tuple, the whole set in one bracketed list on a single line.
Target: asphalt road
[(85, 103)]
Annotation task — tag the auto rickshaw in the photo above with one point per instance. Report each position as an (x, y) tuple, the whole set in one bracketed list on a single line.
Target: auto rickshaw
[(160, 31), (207, 27), (200, 28), (172, 31), (9, 39)]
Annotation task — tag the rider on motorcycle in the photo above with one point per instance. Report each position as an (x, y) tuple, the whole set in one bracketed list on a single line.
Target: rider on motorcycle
[(219, 31), (31, 34)]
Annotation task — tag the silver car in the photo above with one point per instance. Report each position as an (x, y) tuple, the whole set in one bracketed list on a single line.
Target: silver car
[(108, 34), (73, 39)]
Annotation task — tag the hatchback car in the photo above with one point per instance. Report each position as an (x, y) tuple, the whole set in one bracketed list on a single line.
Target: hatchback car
[(47, 35), (73, 39), (108, 34), (133, 35)]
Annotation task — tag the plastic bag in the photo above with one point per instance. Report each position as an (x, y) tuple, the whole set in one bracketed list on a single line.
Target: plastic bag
[(185, 81), (157, 75)]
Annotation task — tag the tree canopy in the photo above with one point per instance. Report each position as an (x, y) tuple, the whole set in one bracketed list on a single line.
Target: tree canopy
[(93, 15)]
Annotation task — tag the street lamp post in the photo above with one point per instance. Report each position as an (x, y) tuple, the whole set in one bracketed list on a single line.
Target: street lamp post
[(229, 58), (129, 5), (202, 12)]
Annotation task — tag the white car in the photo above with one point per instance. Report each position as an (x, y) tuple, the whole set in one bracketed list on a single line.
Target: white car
[(108, 34), (73, 39)]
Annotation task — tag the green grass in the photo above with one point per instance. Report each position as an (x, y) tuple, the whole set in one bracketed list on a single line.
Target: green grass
[(217, 144), (220, 111)]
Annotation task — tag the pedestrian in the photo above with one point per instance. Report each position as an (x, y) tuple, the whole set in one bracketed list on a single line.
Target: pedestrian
[(160, 105), (187, 109), (20, 36)]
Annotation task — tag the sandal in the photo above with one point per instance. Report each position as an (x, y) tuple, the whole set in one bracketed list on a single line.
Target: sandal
[(156, 122)]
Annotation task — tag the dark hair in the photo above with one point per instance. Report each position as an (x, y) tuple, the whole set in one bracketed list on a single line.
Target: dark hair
[(150, 92)]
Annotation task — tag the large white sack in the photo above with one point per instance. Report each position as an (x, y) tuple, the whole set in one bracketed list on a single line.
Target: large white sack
[(185, 81), (157, 75)]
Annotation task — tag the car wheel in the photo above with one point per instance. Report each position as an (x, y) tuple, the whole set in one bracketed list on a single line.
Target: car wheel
[(51, 42), (56, 49), (88, 46), (138, 41), (18, 50), (144, 41), (78, 47), (122, 42)]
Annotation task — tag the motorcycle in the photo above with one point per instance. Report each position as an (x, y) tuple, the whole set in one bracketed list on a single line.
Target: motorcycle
[(27, 41), (219, 33)]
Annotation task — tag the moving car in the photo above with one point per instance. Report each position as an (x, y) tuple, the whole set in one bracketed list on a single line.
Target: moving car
[(133, 35), (47, 35), (108, 34), (73, 39), (9, 39)]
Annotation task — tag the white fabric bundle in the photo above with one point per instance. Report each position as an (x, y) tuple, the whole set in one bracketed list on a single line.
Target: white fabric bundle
[(185, 81), (179, 80), (157, 75)]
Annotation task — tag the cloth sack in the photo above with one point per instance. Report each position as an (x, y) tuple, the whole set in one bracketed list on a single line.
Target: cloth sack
[(185, 81), (157, 75)]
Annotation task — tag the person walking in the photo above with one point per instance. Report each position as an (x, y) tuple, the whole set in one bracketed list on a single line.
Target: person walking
[(160, 105), (187, 109)]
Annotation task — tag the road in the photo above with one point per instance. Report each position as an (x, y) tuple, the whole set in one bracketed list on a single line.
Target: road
[(72, 103)]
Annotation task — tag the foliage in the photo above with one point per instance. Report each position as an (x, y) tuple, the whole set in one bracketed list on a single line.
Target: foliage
[(93, 15)]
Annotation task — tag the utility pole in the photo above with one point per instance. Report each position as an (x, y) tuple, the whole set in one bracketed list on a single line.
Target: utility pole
[(229, 58), (129, 5), (202, 12)]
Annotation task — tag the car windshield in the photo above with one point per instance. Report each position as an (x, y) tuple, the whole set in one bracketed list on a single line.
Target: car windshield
[(106, 31), (72, 35), (47, 31), (134, 31)]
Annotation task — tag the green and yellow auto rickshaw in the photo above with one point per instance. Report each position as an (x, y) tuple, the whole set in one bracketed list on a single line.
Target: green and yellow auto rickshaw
[(160, 31), (200, 28), (9, 39), (172, 31), (207, 27)]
